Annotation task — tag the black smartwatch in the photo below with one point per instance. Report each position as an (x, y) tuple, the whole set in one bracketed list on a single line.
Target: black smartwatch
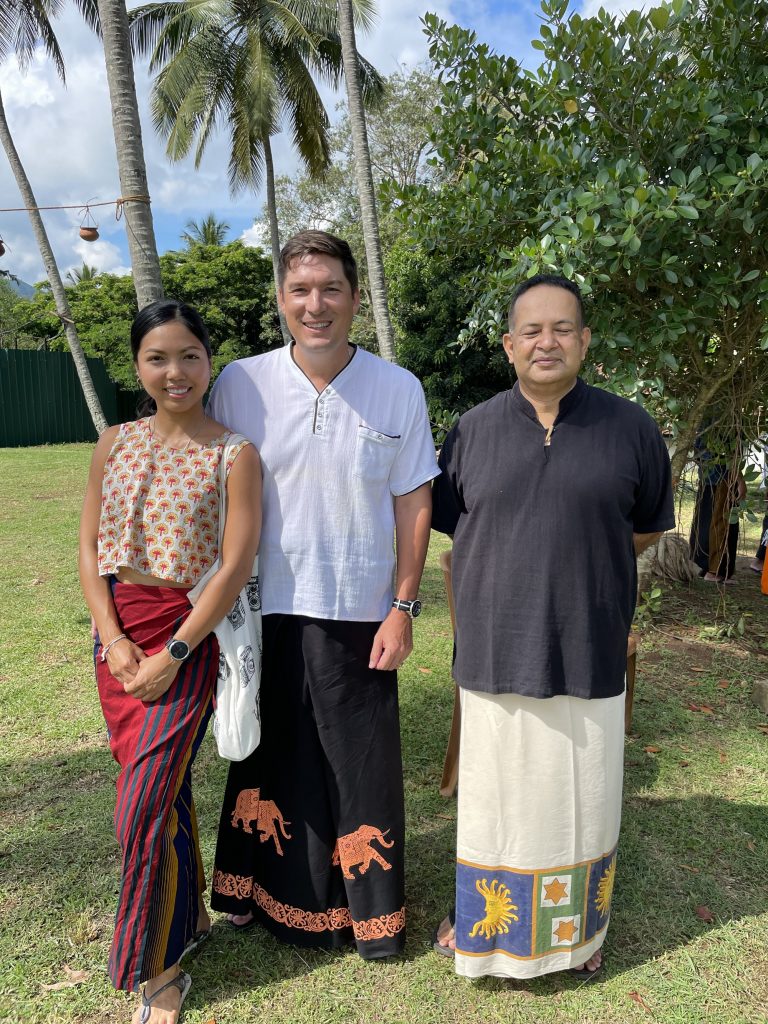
[(412, 608), (179, 650)]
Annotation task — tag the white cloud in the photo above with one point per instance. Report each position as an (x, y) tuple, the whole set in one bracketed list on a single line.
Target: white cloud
[(103, 255), (256, 237)]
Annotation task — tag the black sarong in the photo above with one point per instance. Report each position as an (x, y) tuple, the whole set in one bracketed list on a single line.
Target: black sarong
[(312, 829)]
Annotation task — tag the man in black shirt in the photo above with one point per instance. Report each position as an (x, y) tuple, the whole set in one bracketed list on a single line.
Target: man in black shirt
[(550, 490)]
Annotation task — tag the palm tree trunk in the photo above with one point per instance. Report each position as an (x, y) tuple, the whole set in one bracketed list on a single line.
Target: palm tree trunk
[(130, 152), (364, 178), (274, 230), (54, 277)]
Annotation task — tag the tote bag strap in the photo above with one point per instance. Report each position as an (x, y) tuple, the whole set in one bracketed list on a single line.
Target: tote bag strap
[(232, 442)]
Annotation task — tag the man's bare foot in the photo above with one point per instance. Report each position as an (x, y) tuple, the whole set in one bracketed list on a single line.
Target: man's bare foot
[(445, 936), (756, 565), (240, 920), (590, 968), (594, 962), (711, 577), (162, 1007)]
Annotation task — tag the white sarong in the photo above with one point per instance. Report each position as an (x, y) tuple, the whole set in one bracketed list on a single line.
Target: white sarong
[(539, 809)]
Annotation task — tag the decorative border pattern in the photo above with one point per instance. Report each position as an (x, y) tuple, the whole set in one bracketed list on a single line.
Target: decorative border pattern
[(333, 919)]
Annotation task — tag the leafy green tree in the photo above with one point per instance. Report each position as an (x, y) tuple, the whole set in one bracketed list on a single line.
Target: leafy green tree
[(634, 160), (250, 67), (230, 285), (428, 309), (208, 231), (13, 319)]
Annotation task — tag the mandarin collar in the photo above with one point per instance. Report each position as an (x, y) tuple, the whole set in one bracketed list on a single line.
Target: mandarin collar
[(568, 402)]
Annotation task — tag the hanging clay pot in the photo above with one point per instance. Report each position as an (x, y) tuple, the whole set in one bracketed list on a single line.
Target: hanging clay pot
[(89, 234)]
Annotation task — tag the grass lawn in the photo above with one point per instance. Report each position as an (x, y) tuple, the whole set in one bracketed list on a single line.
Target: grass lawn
[(694, 836)]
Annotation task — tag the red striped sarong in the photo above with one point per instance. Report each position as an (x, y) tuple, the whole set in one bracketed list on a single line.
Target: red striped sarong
[(155, 743)]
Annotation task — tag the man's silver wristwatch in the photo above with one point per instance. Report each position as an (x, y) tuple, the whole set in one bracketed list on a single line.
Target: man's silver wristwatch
[(412, 608), (179, 650)]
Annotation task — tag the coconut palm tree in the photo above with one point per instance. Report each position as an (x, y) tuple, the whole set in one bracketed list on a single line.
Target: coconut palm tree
[(250, 66), (24, 23), (208, 231), (364, 178), (115, 36), (84, 273)]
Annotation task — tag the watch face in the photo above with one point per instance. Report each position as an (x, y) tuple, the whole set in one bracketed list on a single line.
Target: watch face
[(415, 608), (178, 649)]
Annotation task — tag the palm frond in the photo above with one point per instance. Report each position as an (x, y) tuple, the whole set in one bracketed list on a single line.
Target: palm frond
[(24, 23)]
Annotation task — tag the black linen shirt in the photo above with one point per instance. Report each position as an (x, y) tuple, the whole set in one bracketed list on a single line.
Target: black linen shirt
[(544, 572)]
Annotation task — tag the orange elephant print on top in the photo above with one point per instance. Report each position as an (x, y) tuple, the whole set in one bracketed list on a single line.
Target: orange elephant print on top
[(355, 850), (250, 807)]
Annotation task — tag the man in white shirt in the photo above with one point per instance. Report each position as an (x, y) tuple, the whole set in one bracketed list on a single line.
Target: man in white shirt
[(312, 830)]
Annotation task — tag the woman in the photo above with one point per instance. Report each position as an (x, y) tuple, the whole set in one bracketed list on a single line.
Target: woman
[(149, 531)]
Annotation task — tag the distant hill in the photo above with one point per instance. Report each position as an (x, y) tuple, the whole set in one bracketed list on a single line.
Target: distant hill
[(26, 291)]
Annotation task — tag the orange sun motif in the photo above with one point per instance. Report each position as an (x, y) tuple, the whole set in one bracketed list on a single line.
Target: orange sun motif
[(605, 888), (499, 909)]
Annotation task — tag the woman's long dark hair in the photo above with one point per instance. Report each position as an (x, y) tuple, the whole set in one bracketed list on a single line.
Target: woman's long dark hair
[(155, 315)]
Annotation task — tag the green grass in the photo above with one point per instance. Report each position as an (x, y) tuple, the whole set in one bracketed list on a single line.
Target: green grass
[(695, 826)]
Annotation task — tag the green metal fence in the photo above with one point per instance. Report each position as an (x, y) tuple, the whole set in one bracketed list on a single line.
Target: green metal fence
[(41, 401)]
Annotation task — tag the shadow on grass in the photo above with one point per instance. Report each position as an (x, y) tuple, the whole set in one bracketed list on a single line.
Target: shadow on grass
[(675, 855)]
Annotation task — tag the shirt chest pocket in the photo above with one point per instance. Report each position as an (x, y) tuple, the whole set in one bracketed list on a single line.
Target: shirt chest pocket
[(374, 453)]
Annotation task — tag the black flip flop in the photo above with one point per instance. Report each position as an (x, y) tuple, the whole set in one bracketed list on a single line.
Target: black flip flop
[(437, 946)]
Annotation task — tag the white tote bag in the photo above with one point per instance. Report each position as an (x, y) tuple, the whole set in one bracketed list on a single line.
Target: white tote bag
[(236, 720)]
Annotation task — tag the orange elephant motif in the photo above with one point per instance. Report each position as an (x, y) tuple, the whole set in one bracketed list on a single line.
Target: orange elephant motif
[(355, 850), (250, 807)]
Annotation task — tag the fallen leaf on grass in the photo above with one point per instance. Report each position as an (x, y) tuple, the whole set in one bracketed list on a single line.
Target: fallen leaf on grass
[(705, 914), (723, 684), (698, 668), (751, 846), (77, 976), (74, 978), (692, 707), (426, 671), (763, 728), (652, 750), (640, 1001), (688, 867), (684, 764), (705, 709), (723, 757)]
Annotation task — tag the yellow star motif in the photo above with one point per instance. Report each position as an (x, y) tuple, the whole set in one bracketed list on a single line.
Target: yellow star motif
[(556, 891), (565, 931)]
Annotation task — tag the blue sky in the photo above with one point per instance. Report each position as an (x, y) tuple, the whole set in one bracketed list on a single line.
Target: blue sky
[(64, 136)]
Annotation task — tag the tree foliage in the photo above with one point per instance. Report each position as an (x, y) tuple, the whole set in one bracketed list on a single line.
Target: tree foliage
[(208, 231), (635, 161), (230, 285)]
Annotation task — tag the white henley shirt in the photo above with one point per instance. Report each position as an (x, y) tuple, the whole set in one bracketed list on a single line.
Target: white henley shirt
[(332, 462)]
